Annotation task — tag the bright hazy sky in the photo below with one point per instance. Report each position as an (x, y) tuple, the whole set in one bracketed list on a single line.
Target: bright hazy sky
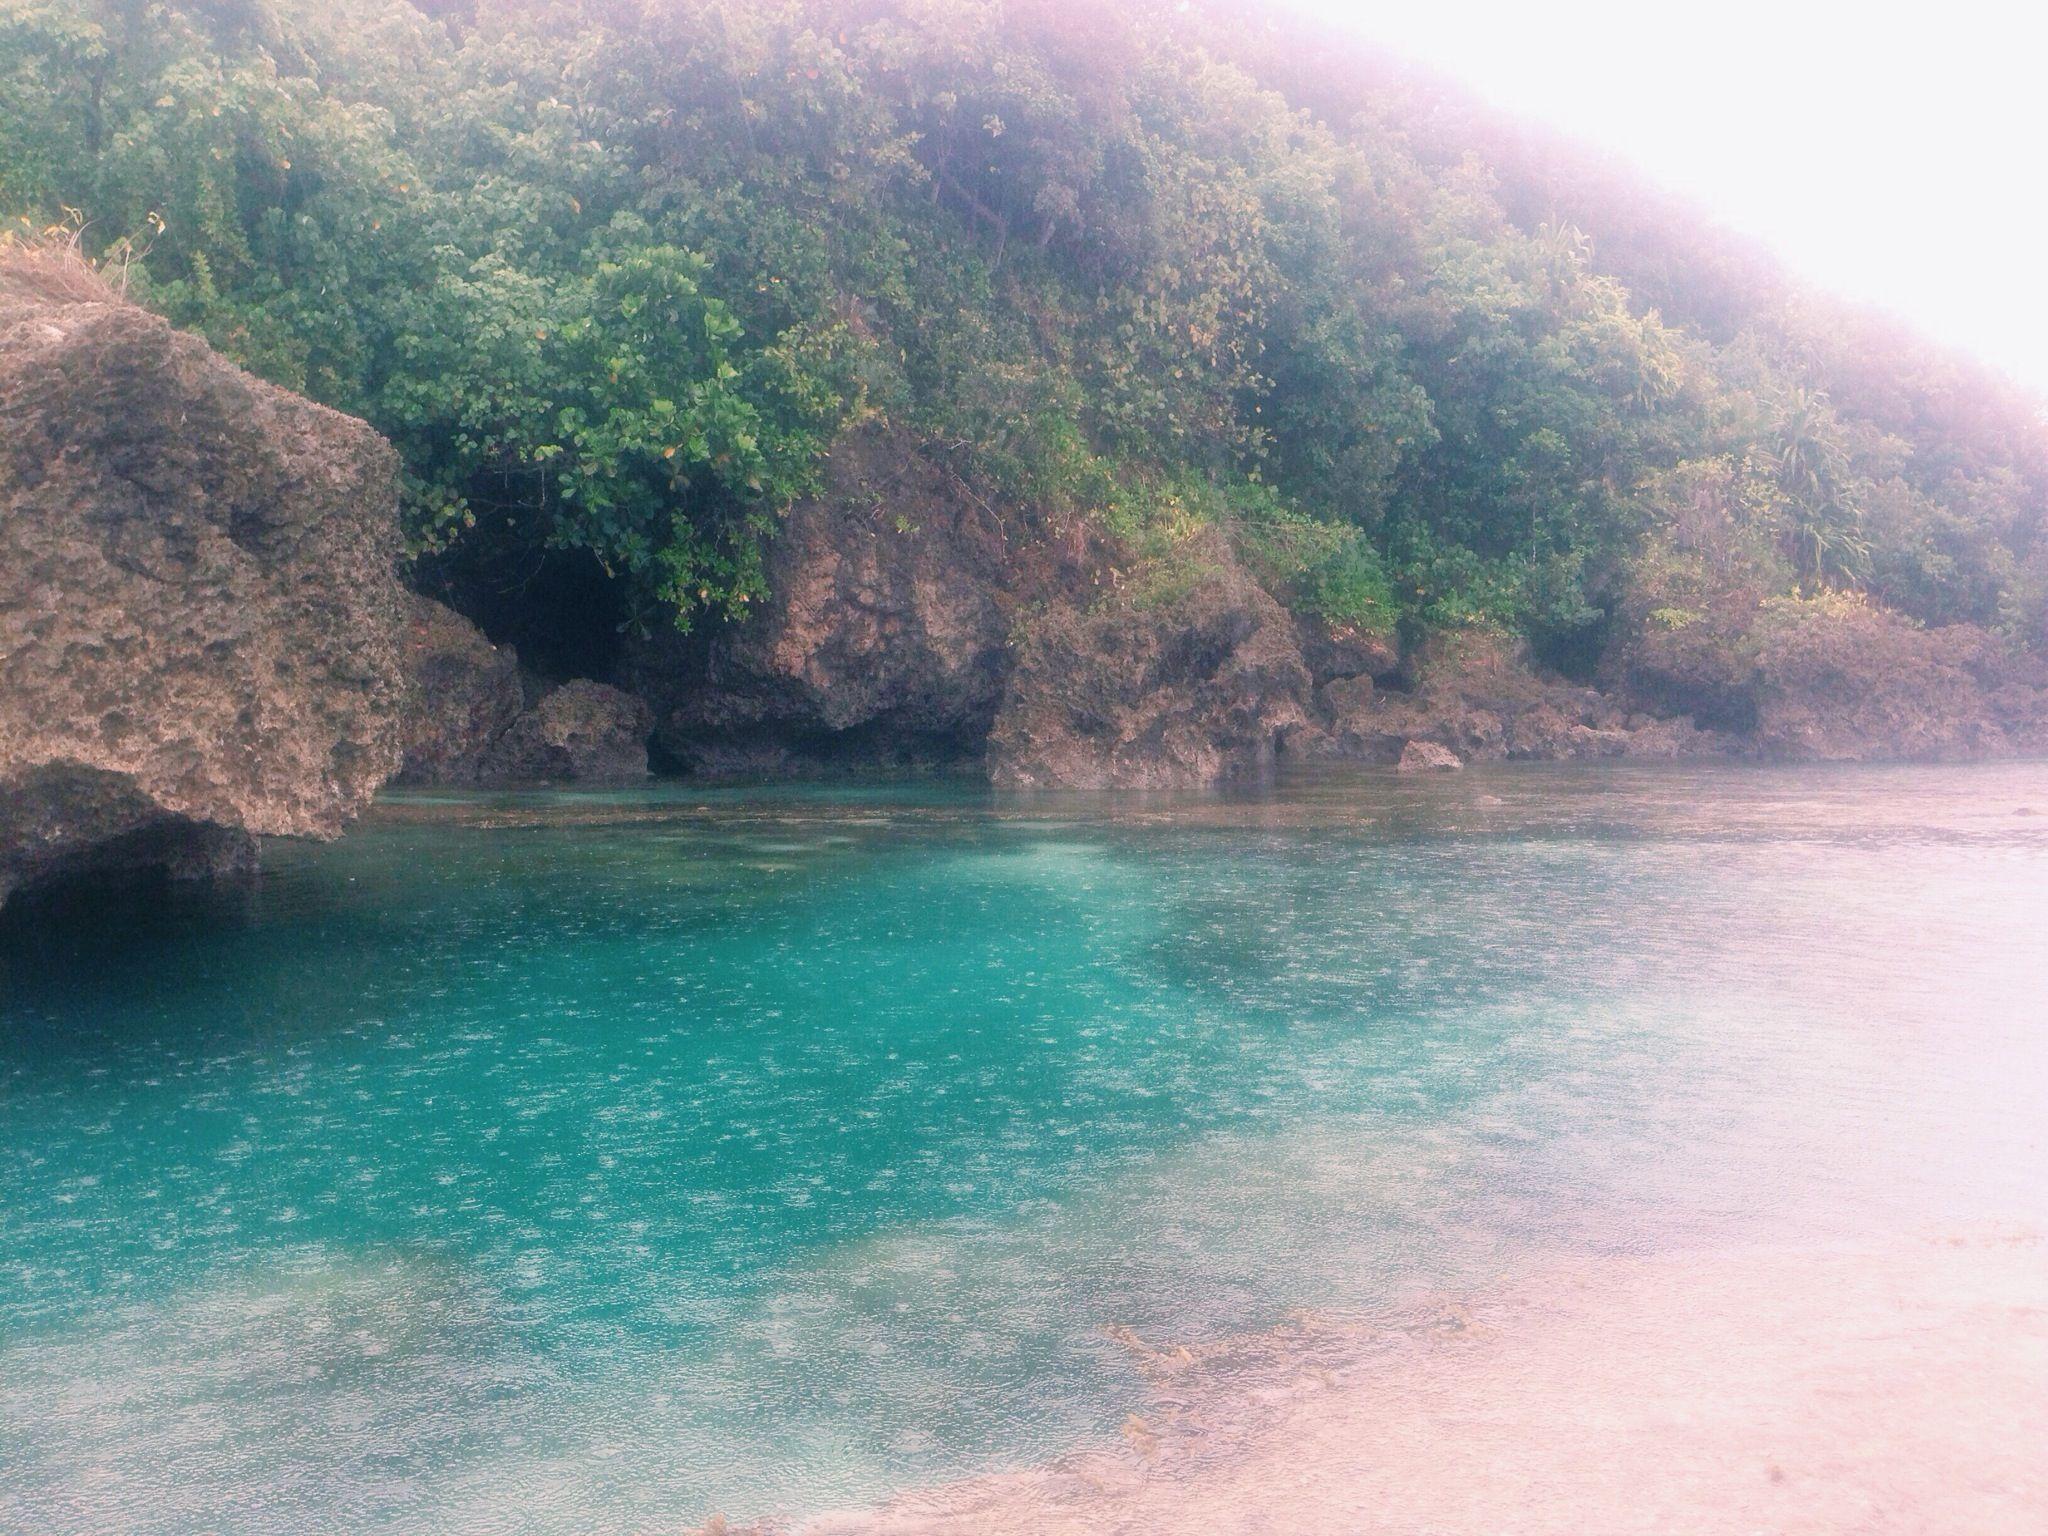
[(1895, 154)]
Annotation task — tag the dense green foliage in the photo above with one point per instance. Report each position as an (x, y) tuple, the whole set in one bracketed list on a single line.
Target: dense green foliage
[(613, 275)]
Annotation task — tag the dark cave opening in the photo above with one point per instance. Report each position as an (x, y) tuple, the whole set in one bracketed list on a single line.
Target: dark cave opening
[(560, 610)]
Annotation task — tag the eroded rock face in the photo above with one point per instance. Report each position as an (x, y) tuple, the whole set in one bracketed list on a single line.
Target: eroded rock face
[(1840, 680), (198, 615), (1427, 757), (910, 623), (1203, 687), (1344, 653), (463, 694), (582, 733), (1475, 695), (468, 723), (885, 640)]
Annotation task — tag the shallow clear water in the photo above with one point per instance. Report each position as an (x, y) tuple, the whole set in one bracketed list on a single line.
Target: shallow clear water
[(592, 1163)]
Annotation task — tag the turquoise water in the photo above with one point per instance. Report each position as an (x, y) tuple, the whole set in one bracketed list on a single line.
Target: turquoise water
[(592, 1163)]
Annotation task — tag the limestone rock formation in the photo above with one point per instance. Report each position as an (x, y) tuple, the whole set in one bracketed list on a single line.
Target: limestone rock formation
[(909, 622), (1202, 686), (468, 722), (582, 732), (463, 694), (1427, 757), (1837, 679), (1477, 696), (886, 638), (198, 614), (1339, 654)]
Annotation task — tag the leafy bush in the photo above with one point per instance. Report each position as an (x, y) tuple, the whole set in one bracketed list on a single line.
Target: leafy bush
[(615, 276)]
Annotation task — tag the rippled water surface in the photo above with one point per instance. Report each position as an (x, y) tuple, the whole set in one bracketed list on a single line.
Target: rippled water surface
[(592, 1163)]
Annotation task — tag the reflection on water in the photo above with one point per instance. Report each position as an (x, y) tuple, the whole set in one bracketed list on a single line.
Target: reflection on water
[(593, 1162)]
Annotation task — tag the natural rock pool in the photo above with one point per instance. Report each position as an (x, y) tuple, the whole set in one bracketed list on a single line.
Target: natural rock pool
[(597, 1162)]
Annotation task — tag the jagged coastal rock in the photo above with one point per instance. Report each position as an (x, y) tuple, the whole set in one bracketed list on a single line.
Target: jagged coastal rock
[(468, 721), (909, 622), (462, 695), (201, 639), (582, 732), (1427, 757), (1477, 697), (198, 612), (1193, 687), (886, 639), (1840, 680)]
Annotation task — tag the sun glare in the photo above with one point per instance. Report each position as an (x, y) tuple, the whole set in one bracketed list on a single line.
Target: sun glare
[(1887, 153)]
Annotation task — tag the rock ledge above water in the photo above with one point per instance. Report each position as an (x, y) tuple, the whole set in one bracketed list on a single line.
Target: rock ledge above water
[(198, 613)]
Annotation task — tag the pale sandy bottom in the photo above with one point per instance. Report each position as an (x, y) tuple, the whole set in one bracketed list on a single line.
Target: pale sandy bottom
[(1901, 1389)]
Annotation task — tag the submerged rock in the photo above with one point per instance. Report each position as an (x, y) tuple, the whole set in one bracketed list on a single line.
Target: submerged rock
[(1427, 757), (198, 616)]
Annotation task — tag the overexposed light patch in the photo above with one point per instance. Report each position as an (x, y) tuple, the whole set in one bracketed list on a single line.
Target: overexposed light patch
[(1889, 153)]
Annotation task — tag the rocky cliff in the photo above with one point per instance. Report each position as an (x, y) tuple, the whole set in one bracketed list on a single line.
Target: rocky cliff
[(1201, 683), (1837, 679), (198, 613), (910, 622), (201, 639), (888, 637)]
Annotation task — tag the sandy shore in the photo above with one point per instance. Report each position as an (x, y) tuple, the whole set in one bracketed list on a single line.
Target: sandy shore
[(1789, 1392)]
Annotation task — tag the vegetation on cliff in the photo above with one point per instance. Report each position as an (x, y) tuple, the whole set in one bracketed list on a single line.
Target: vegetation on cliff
[(614, 276)]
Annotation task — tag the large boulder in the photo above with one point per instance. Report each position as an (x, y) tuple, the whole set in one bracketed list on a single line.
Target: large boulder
[(885, 636), (468, 722), (1194, 684), (1427, 757), (580, 733), (463, 694), (198, 615)]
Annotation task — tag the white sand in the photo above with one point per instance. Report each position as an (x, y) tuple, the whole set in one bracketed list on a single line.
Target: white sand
[(1881, 1391)]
